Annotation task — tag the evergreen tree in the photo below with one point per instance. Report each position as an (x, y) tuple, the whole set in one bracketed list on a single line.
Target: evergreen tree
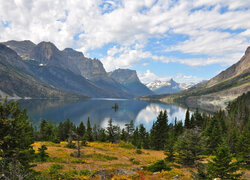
[(214, 135), (143, 135), (16, 138), (189, 146), (187, 119), (159, 131), (95, 132), (136, 138), (243, 146), (42, 154), (192, 122), (88, 134), (110, 131), (232, 138), (222, 166), (178, 128), (60, 133), (46, 131), (102, 135), (129, 127), (198, 118), (81, 129), (169, 147)]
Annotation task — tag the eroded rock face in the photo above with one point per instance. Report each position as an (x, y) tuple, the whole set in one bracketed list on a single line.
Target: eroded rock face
[(129, 79), (242, 66)]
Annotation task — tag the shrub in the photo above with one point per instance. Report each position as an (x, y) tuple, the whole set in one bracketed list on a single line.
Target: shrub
[(159, 166), (138, 151), (71, 145)]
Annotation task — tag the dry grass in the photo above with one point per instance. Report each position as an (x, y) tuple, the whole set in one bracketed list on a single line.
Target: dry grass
[(97, 156)]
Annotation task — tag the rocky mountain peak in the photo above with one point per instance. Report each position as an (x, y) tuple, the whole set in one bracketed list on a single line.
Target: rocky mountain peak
[(124, 75), (23, 48), (73, 53), (44, 52)]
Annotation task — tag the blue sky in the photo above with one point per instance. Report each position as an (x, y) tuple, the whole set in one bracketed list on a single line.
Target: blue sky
[(188, 40)]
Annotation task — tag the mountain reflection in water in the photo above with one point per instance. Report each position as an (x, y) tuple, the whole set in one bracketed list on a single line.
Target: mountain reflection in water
[(100, 111)]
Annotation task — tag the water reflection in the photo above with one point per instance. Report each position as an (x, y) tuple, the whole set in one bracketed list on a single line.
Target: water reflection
[(100, 111)]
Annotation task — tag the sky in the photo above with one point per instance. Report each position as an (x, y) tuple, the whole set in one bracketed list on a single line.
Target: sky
[(187, 40)]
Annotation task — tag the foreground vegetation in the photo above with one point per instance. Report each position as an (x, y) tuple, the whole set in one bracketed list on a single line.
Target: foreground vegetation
[(204, 147)]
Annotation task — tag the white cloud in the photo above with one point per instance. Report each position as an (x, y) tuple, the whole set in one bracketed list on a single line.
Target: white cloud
[(130, 24)]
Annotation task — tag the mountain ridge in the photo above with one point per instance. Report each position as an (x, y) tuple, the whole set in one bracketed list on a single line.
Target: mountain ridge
[(68, 70)]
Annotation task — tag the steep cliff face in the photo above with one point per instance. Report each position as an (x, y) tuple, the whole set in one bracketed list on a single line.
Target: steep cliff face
[(129, 79), (241, 67), (68, 70), (16, 82)]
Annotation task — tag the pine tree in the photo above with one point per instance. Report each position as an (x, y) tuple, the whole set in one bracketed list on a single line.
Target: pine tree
[(213, 133), (159, 131), (81, 129), (110, 131), (42, 154), (95, 132), (198, 118), (102, 135), (189, 147), (16, 138), (169, 147), (187, 119), (88, 134), (222, 166), (192, 122), (143, 135), (243, 146)]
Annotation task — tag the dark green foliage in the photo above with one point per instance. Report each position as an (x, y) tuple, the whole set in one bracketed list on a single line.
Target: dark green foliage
[(213, 134), (222, 166), (81, 129), (88, 134), (144, 137), (95, 132), (169, 148), (189, 147), (239, 110), (102, 135), (113, 132), (159, 166), (187, 119), (129, 130), (198, 118), (232, 139), (243, 146), (42, 154), (159, 131), (201, 173), (16, 138), (71, 145), (192, 122)]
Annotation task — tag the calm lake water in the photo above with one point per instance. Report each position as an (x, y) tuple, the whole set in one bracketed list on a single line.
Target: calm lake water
[(100, 111)]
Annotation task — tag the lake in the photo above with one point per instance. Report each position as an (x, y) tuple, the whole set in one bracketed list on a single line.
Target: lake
[(100, 111)]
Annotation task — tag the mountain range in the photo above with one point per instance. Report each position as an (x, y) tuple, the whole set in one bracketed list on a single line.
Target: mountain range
[(217, 92), (43, 71), (168, 87)]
